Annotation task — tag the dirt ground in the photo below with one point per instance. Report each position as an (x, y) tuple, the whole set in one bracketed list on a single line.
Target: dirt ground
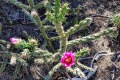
[(15, 23)]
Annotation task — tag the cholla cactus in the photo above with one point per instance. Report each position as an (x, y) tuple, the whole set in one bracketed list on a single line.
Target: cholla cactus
[(56, 15)]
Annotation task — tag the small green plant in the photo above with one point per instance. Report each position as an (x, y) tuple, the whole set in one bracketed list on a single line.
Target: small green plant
[(56, 15)]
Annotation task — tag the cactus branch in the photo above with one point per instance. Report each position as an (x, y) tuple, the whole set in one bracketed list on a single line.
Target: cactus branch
[(22, 62), (39, 5), (41, 53), (36, 17), (49, 59), (76, 71), (42, 30), (44, 3), (29, 15), (52, 71), (16, 72), (63, 38), (3, 65), (56, 10), (46, 60), (71, 70), (49, 28), (79, 72), (55, 38), (4, 42), (82, 25), (91, 37), (83, 66), (31, 3), (17, 56), (19, 4), (59, 28), (5, 62)]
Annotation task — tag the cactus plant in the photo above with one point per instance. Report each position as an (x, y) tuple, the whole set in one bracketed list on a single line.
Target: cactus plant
[(56, 15)]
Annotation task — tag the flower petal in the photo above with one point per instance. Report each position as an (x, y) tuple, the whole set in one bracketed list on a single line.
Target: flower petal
[(67, 55)]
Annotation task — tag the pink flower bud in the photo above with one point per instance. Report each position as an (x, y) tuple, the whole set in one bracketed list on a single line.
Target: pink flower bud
[(15, 41)]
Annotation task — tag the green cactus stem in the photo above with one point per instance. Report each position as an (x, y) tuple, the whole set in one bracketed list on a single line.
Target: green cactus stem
[(81, 53), (16, 72), (51, 72), (41, 53), (49, 28), (42, 30), (25, 34), (55, 38), (29, 15), (81, 40), (13, 59), (116, 20), (31, 3), (5, 60), (3, 65), (63, 44), (79, 72), (83, 66), (44, 57), (76, 71), (82, 25), (71, 70), (36, 17), (39, 5), (17, 57), (19, 4), (56, 10), (63, 38), (4, 42), (91, 37), (44, 3), (59, 29), (47, 58), (22, 61), (44, 60), (57, 18)]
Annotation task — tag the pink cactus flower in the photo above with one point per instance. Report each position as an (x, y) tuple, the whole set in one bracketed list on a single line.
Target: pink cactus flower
[(15, 41), (68, 59)]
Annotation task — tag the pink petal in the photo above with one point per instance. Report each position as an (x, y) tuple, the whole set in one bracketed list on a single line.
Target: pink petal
[(66, 55)]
